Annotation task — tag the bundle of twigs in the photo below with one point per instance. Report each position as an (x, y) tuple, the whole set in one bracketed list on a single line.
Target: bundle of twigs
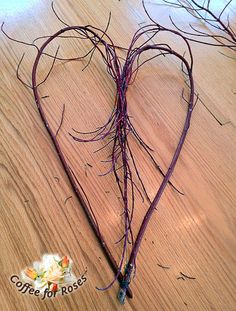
[(118, 128)]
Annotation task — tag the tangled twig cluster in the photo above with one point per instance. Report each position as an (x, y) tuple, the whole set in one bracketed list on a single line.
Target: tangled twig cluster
[(218, 29)]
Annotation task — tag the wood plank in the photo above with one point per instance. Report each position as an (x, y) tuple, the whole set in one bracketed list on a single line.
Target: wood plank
[(193, 234)]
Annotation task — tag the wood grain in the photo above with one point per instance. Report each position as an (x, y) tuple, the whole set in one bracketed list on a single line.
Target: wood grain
[(193, 234)]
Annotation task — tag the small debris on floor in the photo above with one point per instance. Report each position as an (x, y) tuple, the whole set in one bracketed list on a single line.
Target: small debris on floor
[(163, 267), (67, 199), (187, 276)]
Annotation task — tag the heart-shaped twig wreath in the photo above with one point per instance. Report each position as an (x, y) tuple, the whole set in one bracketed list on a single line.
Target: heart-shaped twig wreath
[(118, 128)]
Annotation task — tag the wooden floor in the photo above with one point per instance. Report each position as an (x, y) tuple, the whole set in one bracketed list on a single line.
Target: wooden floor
[(193, 234)]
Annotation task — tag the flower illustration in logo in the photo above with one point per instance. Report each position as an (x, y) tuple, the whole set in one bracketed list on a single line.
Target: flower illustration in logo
[(31, 273), (52, 272)]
